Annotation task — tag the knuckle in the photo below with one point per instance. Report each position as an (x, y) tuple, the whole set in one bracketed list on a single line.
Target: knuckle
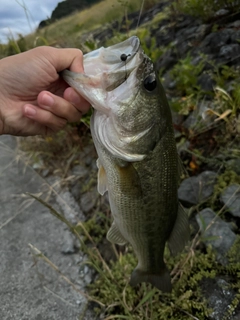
[(59, 125), (78, 52), (41, 50)]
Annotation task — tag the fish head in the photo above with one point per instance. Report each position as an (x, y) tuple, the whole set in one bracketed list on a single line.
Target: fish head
[(105, 69), (121, 84)]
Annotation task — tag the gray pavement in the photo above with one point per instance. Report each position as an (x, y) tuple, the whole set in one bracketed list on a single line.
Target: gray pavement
[(29, 288)]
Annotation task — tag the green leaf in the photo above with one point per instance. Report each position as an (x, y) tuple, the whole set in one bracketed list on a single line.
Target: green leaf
[(147, 297)]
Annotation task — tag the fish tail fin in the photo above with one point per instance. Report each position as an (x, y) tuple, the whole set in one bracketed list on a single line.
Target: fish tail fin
[(161, 280)]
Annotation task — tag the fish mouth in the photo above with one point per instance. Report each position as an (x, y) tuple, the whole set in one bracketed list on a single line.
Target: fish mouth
[(113, 57), (105, 70), (115, 63)]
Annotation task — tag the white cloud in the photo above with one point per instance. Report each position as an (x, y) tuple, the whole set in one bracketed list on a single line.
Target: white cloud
[(14, 20)]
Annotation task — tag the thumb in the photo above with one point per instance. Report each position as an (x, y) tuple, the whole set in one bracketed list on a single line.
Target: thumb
[(71, 59)]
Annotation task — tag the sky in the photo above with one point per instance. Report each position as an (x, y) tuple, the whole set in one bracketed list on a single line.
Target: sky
[(13, 18)]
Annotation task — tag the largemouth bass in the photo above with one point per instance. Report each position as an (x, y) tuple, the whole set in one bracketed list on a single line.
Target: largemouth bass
[(138, 163)]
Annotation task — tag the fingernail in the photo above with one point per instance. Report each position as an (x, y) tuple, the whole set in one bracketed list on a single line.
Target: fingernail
[(47, 100), (29, 111)]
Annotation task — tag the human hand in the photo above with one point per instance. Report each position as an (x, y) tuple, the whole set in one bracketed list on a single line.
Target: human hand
[(34, 98)]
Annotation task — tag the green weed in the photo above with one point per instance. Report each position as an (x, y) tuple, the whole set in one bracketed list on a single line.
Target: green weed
[(185, 73), (205, 9)]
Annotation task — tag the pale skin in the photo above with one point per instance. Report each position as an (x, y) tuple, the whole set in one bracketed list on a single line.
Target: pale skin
[(34, 99)]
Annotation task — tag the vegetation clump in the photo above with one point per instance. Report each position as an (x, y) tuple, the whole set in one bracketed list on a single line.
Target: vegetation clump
[(205, 9)]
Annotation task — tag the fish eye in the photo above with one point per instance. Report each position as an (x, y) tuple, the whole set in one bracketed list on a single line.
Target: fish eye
[(150, 82)]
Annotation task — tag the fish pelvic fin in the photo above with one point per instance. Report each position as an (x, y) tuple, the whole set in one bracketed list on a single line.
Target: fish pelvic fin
[(102, 178), (161, 280), (114, 235), (180, 233)]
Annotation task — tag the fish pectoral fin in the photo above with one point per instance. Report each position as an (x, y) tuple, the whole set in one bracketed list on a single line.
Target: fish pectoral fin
[(180, 233), (115, 236), (102, 178), (161, 280)]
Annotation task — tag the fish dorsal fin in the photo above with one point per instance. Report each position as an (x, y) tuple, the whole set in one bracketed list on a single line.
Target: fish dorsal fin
[(180, 233), (115, 236), (102, 178)]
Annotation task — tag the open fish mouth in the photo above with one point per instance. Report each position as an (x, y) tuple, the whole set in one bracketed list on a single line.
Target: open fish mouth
[(105, 69), (118, 56)]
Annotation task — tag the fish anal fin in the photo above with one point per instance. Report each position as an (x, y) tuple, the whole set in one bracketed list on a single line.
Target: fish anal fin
[(115, 236), (102, 178), (161, 280), (180, 233)]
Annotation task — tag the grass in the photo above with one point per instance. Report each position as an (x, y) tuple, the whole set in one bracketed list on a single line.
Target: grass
[(206, 9), (68, 32), (59, 152)]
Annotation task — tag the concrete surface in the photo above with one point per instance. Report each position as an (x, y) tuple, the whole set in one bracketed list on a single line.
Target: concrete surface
[(29, 288)]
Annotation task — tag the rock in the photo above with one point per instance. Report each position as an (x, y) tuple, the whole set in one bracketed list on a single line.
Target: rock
[(38, 165), (80, 171), (236, 36), (75, 189), (89, 154), (235, 24), (234, 164), (202, 30), (88, 200), (70, 207), (45, 173), (217, 39), (231, 198), (206, 82), (195, 117), (166, 61), (68, 246), (219, 294), (184, 21), (230, 51), (193, 190), (221, 12), (187, 33), (163, 36), (168, 81), (216, 233)]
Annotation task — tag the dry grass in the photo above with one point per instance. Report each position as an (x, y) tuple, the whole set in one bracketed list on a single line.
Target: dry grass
[(67, 31)]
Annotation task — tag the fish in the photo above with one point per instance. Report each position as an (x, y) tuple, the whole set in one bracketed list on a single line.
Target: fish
[(138, 164)]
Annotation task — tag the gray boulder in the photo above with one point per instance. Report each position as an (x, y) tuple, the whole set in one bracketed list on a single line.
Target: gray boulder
[(231, 198), (195, 189), (216, 232)]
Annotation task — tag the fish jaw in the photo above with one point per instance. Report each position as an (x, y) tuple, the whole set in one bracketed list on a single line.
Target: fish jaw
[(109, 59), (105, 72)]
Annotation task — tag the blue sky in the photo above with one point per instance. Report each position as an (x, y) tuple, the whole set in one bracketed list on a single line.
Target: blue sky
[(13, 18)]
